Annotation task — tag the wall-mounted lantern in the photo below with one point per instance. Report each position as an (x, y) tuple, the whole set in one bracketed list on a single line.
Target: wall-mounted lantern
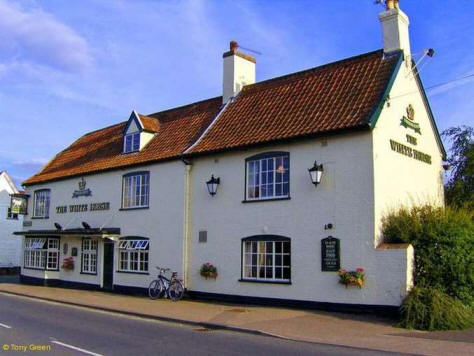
[(58, 226), (86, 225), (316, 173), (212, 185)]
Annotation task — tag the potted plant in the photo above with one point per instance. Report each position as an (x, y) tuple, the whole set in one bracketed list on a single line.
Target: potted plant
[(352, 278), (208, 271), (68, 263)]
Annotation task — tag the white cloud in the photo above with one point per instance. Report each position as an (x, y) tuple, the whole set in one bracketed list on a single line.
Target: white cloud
[(38, 36)]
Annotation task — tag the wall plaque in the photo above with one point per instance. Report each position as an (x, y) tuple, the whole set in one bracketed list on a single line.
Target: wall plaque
[(330, 254)]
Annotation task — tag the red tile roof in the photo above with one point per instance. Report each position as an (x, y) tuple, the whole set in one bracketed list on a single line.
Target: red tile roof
[(338, 96), (102, 150), (331, 98)]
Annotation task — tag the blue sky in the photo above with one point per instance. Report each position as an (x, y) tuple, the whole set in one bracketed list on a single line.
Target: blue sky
[(70, 67)]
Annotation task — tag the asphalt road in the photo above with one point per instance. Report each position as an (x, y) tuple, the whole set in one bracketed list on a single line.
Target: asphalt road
[(63, 330)]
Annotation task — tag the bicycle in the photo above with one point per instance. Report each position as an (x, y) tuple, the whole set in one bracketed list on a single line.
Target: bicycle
[(173, 287)]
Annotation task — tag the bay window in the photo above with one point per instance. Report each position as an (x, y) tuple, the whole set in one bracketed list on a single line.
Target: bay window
[(268, 176), (136, 190), (133, 255), (266, 258), (41, 253)]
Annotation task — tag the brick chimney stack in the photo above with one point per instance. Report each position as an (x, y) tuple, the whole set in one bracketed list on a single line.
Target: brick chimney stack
[(395, 28)]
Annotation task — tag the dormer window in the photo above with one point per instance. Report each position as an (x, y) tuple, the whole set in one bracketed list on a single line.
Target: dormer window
[(132, 142), (138, 132)]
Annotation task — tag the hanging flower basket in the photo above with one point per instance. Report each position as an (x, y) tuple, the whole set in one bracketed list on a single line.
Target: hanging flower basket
[(207, 270), (352, 278), (68, 264)]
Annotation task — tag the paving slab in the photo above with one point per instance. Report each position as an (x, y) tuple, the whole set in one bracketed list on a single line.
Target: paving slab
[(363, 331)]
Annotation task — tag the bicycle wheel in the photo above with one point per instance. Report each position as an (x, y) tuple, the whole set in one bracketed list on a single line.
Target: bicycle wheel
[(176, 291), (155, 290)]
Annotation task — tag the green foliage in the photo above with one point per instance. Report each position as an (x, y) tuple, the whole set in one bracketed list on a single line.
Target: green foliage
[(443, 239), (459, 190), (430, 309)]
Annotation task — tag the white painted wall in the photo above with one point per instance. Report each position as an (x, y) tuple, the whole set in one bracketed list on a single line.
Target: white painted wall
[(10, 247), (162, 222), (398, 179), (344, 198)]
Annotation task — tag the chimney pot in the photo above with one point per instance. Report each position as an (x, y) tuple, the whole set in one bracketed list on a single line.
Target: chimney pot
[(233, 46)]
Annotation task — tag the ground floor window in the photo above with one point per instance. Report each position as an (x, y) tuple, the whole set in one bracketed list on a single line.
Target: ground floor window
[(266, 258), (89, 256), (41, 253), (133, 255)]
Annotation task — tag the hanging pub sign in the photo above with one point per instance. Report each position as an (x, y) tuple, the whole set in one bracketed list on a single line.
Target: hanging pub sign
[(330, 254), (19, 203)]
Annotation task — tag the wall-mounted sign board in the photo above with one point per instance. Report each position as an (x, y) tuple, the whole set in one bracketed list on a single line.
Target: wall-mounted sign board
[(330, 254)]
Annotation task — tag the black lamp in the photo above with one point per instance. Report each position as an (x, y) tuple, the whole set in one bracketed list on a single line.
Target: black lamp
[(316, 173), (86, 225), (212, 185), (57, 226)]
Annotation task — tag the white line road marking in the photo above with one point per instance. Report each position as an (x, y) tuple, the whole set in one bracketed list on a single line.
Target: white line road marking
[(5, 326), (76, 348)]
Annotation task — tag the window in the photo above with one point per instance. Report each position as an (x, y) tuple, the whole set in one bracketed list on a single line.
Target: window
[(131, 142), (53, 255), (89, 256), (133, 255), (266, 258), (268, 176), (41, 205), (42, 253), (12, 216), (136, 189)]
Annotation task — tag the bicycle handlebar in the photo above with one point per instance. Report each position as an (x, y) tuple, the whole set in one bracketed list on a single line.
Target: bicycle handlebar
[(163, 269)]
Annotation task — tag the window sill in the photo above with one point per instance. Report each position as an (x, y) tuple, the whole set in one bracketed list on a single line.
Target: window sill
[(263, 200), (137, 208), (89, 273), (40, 217), (263, 281), (133, 272)]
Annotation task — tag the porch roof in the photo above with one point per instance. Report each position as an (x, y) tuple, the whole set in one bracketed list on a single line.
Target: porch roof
[(86, 232)]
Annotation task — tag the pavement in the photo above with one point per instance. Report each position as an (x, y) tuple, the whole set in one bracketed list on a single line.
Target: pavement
[(361, 331)]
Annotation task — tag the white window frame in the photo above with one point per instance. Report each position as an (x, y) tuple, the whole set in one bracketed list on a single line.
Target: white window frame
[(89, 256), (262, 259), (136, 190), (260, 181), (52, 256), (41, 203), (133, 256), (41, 253), (131, 142)]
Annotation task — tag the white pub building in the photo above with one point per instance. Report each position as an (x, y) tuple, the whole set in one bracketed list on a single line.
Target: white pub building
[(278, 184)]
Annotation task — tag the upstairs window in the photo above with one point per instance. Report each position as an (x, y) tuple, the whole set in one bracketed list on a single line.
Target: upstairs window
[(131, 142), (136, 190), (268, 176), (41, 204)]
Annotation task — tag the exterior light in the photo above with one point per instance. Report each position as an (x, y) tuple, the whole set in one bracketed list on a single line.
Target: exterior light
[(57, 226), (316, 173), (212, 185), (86, 225)]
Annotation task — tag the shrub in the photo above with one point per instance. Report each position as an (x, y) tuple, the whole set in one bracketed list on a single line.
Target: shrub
[(443, 239), (430, 309)]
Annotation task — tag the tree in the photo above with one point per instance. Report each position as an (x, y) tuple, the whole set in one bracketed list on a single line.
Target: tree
[(459, 189)]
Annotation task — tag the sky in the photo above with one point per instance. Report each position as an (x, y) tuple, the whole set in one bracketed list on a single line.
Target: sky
[(71, 67)]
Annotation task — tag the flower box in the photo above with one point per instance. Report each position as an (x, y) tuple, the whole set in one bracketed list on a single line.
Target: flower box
[(207, 270), (352, 278)]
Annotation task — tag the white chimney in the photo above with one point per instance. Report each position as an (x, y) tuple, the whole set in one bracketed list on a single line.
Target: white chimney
[(239, 70), (395, 28)]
